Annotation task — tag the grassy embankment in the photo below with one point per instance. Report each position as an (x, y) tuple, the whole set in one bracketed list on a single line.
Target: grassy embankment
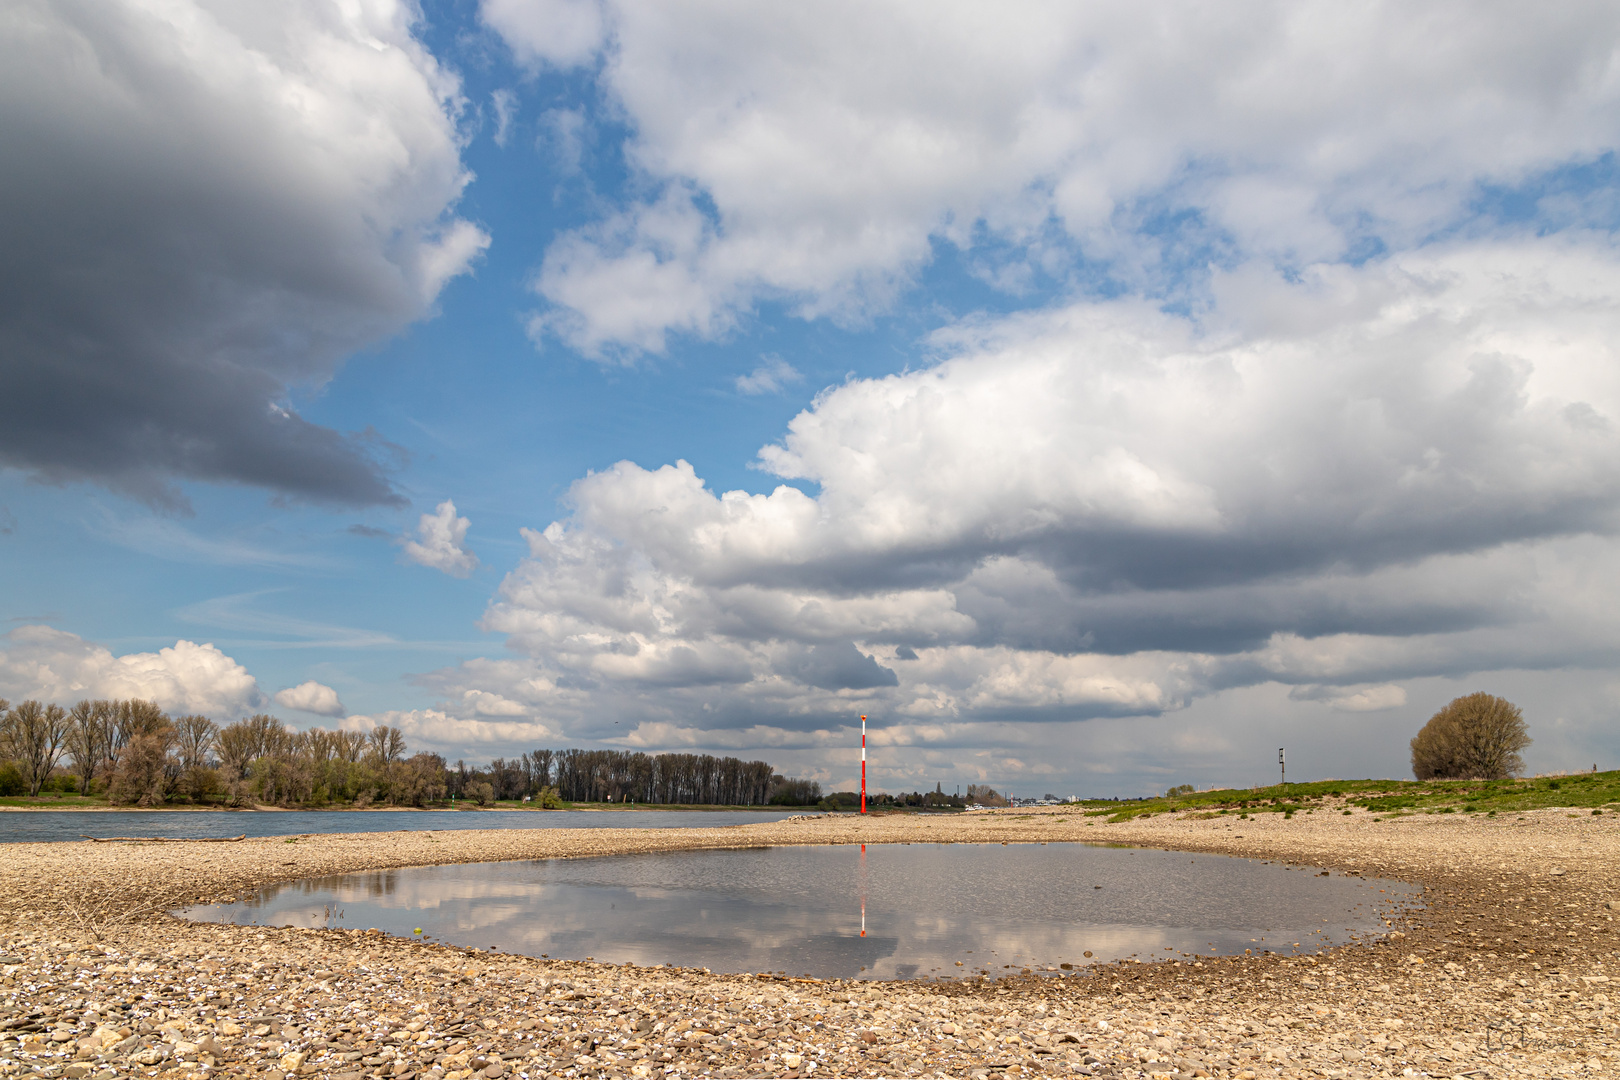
[(1598, 792), (55, 800)]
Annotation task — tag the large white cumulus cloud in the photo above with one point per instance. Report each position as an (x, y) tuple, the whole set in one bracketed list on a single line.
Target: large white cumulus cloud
[(202, 204), (815, 154), (1347, 478), (54, 665)]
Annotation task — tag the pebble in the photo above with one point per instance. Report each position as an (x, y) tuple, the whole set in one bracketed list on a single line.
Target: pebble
[(1485, 977)]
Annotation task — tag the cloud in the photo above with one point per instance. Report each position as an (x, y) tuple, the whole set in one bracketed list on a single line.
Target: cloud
[(1338, 480), (838, 666), (772, 376), (207, 207), (559, 33), (54, 665), (311, 697), (820, 158), (440, 542), (436, 730), (504, 103), (1352, 698)]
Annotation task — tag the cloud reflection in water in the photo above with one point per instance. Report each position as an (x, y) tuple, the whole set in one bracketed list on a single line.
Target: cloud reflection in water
[(799, 909)]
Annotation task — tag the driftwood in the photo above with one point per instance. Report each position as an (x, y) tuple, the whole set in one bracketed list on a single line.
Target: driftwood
[(165, 839)]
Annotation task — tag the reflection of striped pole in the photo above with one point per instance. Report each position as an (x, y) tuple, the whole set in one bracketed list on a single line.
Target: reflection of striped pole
[(863, 889), (863, 766)]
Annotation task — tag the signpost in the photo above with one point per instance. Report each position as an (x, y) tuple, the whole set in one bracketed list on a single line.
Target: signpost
[(863, 764), (1281, 763)]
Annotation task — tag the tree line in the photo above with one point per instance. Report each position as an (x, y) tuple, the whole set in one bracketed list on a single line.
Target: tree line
[(137, 755), (633, 776)]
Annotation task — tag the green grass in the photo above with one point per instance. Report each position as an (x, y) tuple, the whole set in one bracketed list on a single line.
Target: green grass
[(1384, 797), (54, 800)]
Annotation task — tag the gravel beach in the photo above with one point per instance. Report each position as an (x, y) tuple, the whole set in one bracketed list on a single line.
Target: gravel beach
[(1505, 971)]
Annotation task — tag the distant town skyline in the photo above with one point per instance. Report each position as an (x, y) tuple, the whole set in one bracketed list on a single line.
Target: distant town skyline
[(1096, 401)]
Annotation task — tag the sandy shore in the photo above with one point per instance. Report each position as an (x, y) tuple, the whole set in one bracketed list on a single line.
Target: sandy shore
[(1504, 973)]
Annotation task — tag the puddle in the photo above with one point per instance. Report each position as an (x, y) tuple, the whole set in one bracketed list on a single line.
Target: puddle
[(892, 911)]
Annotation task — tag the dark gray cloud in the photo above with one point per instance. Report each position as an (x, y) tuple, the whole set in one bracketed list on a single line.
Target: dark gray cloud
[(839, 666), (189, 229)]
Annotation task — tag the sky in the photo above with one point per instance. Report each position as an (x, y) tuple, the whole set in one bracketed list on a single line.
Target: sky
[(1096, 399)]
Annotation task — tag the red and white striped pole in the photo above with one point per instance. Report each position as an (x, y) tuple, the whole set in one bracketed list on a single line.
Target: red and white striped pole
[(863, 764)]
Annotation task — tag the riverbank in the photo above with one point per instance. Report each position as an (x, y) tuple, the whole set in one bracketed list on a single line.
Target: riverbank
[(69, 806), (1504, 973)]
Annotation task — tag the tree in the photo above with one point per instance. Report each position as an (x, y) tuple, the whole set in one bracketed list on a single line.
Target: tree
[(145, 773), (33, 735), (240, 744), (1478, 736), (194, 741), (137, 717), (89, 739), (387, 743), (985, 795), (349, 746)]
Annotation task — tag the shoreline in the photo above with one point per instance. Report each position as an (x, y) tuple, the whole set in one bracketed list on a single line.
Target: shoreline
[(1516, 933), (262, 809)]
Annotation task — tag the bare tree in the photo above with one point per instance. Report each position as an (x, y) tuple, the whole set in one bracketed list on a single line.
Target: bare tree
[(90, 729), (145, 772), (241, 744), (194, 741), (349, 746), (137, 717), (1476, 736), (387, 743), (33, 735)]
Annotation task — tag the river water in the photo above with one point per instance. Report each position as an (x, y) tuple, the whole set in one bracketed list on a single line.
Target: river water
[(58, 825)]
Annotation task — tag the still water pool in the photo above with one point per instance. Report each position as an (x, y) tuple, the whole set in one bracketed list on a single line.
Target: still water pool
[(891, 911)]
